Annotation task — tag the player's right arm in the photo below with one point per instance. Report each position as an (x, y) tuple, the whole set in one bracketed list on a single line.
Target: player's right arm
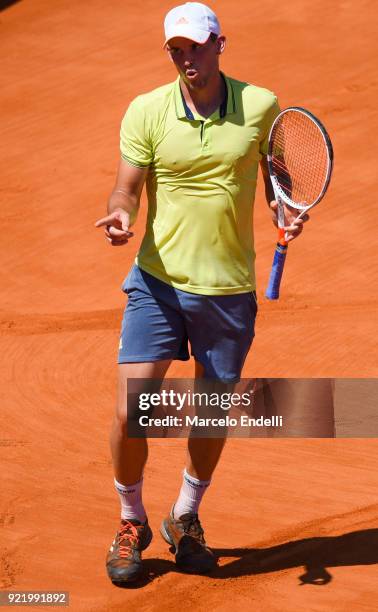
[(123, 203)]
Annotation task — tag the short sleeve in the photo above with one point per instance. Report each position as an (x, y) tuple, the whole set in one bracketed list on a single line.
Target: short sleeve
[(134, 138), (269, 117)]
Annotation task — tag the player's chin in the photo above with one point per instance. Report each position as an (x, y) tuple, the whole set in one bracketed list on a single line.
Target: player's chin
[(118, 242)]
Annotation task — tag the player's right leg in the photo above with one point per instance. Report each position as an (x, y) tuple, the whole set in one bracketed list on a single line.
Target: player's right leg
[(124, 561), (130, 454), (153, 333)]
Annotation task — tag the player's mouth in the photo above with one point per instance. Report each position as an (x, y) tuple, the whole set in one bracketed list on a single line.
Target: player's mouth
[(191, 73)]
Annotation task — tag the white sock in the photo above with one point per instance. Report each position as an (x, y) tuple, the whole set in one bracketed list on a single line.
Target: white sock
[(131, 501), (190, 495)]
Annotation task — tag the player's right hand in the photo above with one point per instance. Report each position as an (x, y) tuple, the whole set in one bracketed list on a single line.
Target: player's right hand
[(116, 227)]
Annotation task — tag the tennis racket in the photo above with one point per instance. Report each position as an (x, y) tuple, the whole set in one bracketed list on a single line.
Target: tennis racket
[(300, 161)]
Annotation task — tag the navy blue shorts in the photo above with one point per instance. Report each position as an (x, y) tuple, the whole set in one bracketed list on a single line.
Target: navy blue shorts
[(160, 320)]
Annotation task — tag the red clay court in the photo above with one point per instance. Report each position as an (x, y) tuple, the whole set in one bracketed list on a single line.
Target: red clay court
[(298, 507)]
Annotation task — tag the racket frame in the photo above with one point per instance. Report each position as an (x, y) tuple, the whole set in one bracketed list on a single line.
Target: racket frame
[(278, 191), (281, 197)]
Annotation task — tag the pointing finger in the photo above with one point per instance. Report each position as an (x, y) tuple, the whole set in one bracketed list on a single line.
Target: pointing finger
[(104, 221)]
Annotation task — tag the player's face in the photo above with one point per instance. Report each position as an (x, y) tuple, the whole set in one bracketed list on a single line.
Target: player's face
[(195, 63)]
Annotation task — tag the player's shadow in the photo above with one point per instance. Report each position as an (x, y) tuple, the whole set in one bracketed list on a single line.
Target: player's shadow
[(316, 555)]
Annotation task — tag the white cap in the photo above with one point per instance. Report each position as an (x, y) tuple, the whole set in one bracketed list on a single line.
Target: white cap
[(191, 20)]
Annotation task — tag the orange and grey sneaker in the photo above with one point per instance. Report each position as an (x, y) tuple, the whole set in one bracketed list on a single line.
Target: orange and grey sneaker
[(124, 559), (186, 536)]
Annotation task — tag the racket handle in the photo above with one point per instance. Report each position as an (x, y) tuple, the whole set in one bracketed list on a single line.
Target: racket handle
[(273, 290)]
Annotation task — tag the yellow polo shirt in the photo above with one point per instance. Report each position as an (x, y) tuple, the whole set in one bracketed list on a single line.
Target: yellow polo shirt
[(200, 185)]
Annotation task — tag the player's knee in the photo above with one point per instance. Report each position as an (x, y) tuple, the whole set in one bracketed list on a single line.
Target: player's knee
[(120, 420), (124, 415)]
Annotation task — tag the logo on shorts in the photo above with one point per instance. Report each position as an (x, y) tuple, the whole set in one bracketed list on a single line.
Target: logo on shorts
[(120, 344)]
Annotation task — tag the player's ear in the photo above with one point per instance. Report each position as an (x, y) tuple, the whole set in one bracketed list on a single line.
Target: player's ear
[(221, 44), (166, 49)]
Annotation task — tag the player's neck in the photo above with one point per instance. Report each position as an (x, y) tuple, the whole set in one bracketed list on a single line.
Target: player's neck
[(205, 100)]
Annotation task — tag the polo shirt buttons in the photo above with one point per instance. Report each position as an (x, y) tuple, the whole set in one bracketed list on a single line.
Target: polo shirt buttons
[(205, 136)]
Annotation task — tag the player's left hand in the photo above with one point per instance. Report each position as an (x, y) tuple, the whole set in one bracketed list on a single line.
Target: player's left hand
[(293, 226)]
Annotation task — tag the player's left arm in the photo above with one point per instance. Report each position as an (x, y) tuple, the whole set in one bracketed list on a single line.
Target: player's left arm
[(293, 226)]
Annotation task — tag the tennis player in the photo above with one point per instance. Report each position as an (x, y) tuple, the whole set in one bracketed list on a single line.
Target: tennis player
[(197, 143)]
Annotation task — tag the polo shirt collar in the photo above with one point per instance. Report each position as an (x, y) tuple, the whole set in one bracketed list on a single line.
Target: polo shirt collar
[(227, 107)]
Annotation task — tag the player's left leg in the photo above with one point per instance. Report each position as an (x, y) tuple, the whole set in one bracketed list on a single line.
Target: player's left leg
[(203, 453), (220, 330), (182, 528)]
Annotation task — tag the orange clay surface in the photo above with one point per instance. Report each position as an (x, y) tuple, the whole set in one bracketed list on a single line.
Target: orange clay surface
[(280, 513)]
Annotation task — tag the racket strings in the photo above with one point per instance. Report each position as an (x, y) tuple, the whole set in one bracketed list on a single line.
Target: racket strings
[(299, 158)]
